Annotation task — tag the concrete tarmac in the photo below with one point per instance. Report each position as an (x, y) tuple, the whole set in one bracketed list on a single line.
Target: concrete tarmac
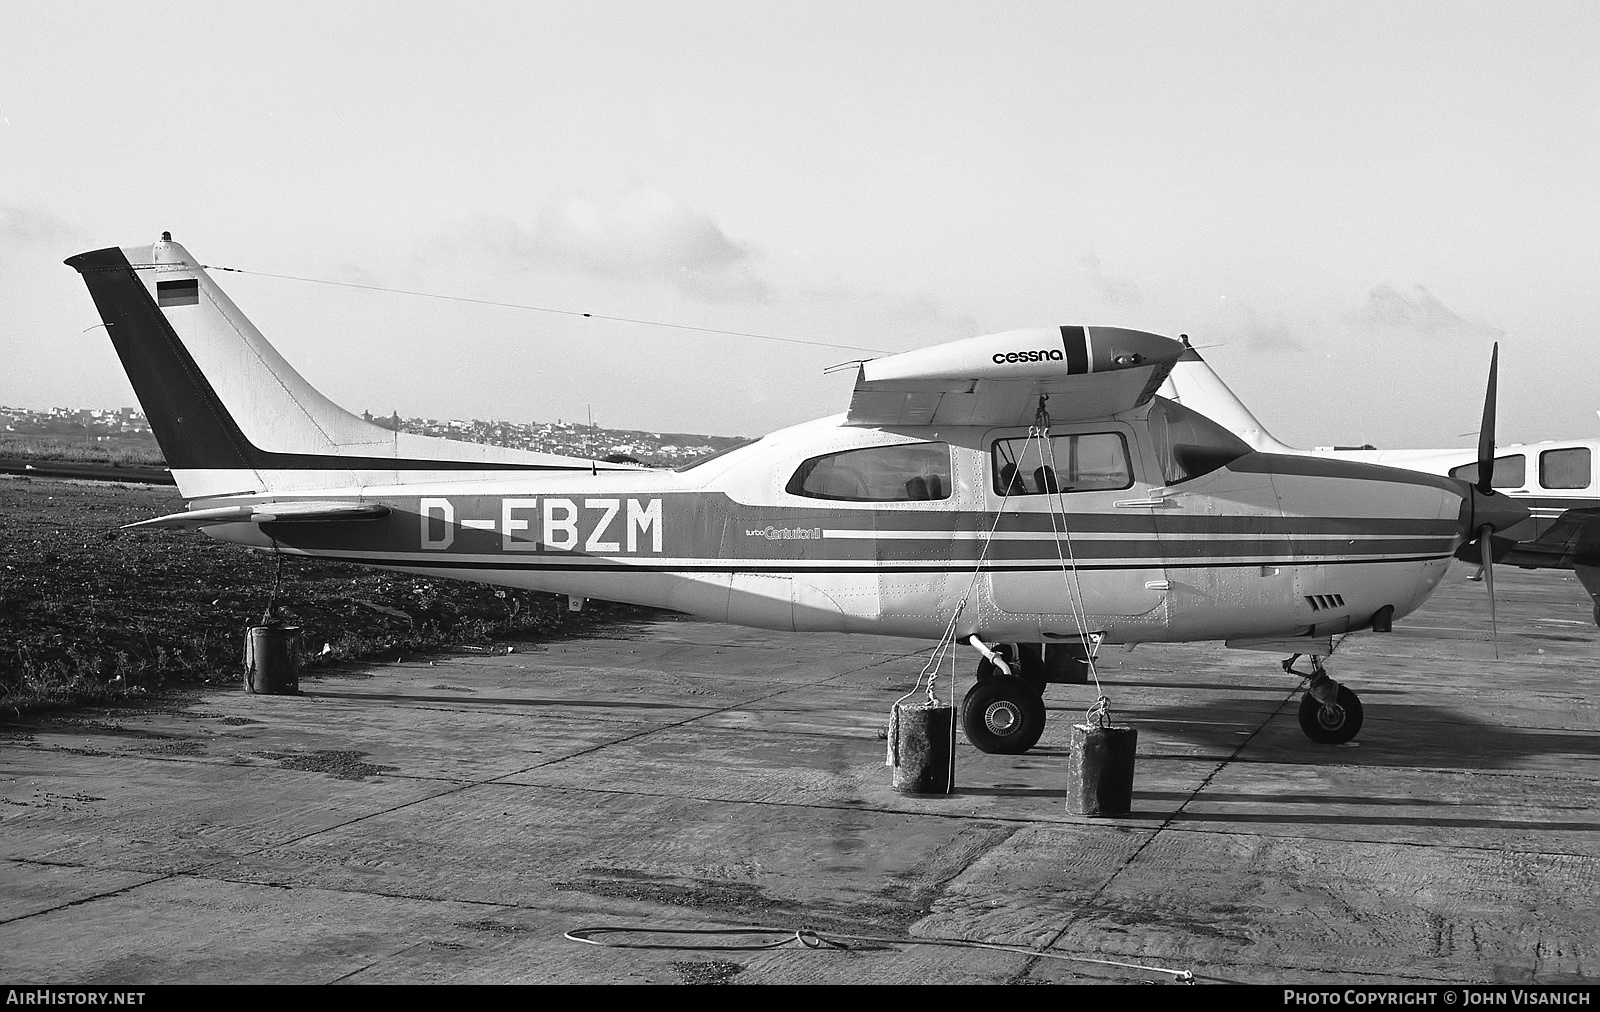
[(450, 820)]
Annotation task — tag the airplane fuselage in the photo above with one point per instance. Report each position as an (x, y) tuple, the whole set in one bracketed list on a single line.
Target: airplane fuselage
[(1265, 546)]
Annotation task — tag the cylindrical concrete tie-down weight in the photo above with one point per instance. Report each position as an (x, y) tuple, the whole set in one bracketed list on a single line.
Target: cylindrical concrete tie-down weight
[(922, 747), (1100, 781), (272, 660)]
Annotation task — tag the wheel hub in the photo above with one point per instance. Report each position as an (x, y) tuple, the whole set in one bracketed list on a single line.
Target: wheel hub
[(1002, 717), (1330, 717)]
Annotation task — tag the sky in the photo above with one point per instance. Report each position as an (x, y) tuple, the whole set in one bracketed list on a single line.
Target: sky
[(1344, 204)]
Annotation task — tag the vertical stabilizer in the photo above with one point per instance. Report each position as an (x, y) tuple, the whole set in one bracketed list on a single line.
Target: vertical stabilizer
[(231, 415)]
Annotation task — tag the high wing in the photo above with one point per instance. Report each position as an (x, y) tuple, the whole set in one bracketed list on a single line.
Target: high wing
[(999, 379), (269, 512)]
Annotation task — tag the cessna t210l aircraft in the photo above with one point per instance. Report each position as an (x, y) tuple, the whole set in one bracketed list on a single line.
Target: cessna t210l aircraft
[(1024, 492)]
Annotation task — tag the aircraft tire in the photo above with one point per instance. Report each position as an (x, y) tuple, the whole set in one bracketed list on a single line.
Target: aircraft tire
[(1331, 725), (1002, 716)]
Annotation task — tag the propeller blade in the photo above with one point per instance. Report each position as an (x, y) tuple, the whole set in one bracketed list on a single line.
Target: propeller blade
[(1488, 582), (1486, 430)]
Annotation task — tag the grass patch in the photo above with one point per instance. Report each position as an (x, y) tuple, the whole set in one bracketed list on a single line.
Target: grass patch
[(118, 450)]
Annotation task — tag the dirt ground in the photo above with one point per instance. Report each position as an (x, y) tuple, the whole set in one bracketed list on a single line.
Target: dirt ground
[(91, 612)]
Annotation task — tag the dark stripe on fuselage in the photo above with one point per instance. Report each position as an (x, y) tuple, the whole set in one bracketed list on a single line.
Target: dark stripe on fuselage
[(1077, 349), (1135, 521), (1285, 551), (193, 428), (1331, 467), (618, 566)]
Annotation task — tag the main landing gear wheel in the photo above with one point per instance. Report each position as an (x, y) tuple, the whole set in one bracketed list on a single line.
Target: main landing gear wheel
[(1331, 723), (1002, 715)]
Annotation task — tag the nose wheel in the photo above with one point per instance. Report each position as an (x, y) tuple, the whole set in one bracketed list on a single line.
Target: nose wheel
[(1003, 714), (1330, 714)]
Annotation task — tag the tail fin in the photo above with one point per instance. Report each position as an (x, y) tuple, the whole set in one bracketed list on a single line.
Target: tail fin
[(230, 414), (1193, 384)]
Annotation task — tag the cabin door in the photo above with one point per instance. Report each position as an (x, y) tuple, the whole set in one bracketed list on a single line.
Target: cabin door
[(1071, 533)]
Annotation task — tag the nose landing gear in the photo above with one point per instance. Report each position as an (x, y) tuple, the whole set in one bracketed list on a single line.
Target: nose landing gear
[(1330, 714), (1004, 714)]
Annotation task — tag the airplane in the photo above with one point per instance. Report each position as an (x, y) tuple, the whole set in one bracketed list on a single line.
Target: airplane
[(1025, 493), (1555, 479)]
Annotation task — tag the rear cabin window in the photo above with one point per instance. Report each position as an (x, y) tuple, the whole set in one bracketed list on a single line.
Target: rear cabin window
[(1510, 471), (1188, 444), (1567, 468), (1082, 462), (906, 473)]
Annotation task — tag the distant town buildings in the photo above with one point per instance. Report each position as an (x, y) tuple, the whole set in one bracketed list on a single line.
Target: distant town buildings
[(74, 421), (658, 449)]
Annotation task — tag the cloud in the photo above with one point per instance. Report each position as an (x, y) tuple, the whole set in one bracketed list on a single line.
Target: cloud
[(1238, 323), (874, 319), (637, 234), (1418, 312), (1114, 290), (34, 228)]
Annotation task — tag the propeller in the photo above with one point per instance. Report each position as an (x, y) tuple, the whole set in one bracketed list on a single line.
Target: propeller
[(1486, 482), (1489, 510), (1486, 430), (1488, 577)]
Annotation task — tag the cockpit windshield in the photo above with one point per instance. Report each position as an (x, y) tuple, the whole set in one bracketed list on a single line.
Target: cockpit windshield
[(1188, 444)]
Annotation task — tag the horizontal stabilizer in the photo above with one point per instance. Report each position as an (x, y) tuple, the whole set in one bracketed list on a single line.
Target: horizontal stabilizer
[(269, 512)]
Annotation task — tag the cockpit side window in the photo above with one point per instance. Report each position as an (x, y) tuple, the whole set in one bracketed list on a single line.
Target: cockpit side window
[(1188, 444), (905, 473), (1510, 471), (1080, 462)]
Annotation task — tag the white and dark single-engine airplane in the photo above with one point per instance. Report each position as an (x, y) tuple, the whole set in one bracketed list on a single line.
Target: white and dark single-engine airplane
[(1027, 493), (1555, 480)]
